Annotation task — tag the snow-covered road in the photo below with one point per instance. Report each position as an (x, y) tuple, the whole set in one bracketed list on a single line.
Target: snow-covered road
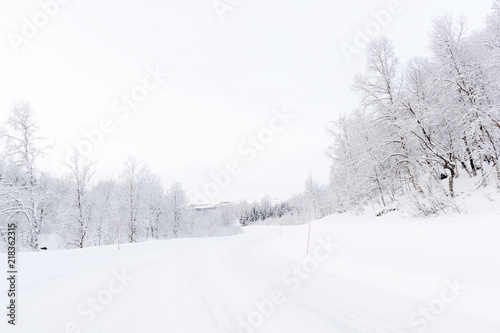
[(361, 275)]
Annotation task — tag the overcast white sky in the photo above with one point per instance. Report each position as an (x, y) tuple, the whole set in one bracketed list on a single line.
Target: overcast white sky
[(226, 77)]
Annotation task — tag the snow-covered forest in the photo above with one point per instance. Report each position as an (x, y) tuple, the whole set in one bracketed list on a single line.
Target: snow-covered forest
[(418, 127), (76, 211), (250, 167)]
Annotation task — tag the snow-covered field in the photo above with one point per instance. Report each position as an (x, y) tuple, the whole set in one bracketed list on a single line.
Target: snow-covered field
[(362, 274)]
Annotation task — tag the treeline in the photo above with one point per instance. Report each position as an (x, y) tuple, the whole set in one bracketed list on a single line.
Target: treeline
[(317, 201), (265, 209), (75, 210), (417, 128), (422, 124)]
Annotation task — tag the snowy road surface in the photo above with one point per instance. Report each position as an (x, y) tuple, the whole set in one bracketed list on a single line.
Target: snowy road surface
[(380, 275)]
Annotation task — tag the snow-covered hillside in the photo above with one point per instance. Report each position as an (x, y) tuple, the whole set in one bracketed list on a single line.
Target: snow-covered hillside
[(363, 274)]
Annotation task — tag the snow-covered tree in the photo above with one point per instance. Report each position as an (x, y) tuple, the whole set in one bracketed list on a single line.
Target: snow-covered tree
[(177, 201), (22, 194), (79, 214), (132, 182)]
